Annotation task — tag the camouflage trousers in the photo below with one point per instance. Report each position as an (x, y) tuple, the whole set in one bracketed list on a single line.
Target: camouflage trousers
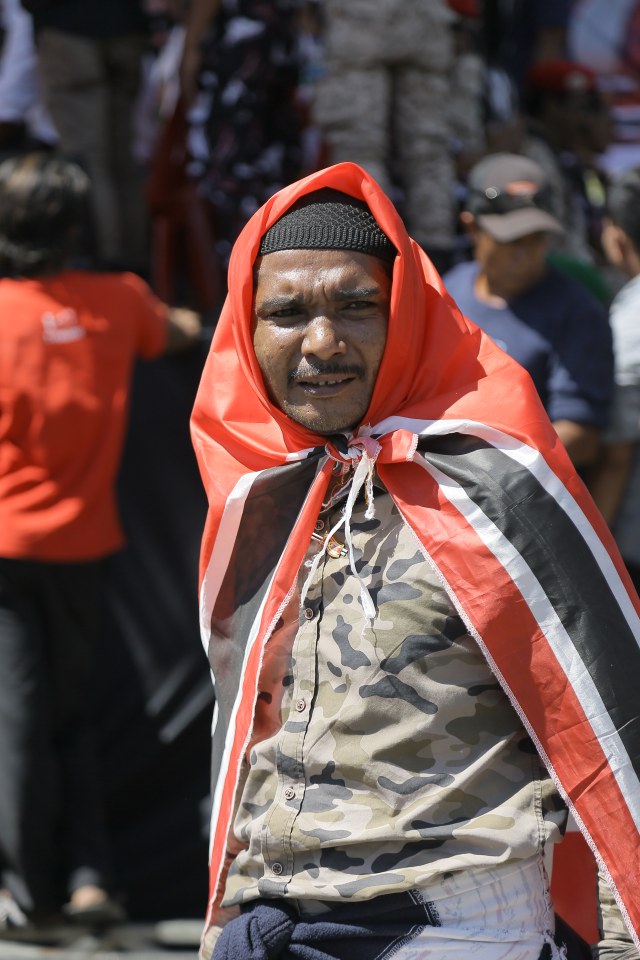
[(384, 103)]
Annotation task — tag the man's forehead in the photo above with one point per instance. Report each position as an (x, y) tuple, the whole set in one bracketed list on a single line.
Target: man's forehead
[(306, 269)]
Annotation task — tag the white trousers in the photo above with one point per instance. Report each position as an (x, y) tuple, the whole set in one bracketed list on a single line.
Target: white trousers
[(506, 915)]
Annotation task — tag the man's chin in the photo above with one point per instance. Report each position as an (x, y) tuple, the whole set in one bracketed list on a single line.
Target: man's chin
[(324, 424)]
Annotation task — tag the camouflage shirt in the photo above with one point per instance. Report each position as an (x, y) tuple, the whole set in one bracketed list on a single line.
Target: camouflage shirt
[(385, 755)]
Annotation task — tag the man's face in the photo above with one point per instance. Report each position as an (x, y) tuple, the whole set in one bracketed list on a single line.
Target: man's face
[(511, 268), (319, 331)]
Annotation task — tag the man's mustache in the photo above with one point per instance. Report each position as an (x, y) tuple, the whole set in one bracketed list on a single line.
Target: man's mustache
[(305, 370)]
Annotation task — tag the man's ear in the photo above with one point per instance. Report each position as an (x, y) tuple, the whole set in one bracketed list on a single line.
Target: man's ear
[(615, 243)]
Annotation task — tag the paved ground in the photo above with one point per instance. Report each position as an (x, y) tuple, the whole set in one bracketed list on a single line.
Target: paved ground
[(170, 940)]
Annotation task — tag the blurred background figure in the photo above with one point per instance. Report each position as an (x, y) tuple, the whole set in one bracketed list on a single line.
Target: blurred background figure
[(184, 263), (616, 481), (89, 61), (467, 96), (24, 121), (242, 55), (384, 103), (606, 37), (569, 128), (544, 319), (311, 58), (518, 34), (69, 341)]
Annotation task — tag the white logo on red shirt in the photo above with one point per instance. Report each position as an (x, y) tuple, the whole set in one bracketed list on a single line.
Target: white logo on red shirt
[(62, 327)]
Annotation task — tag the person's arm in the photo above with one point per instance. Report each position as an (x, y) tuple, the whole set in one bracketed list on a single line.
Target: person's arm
[(608, 481), (580, 440), (580, 383), (609, 478), (160, 328), (615, 941), (18, 64), (183, 329), (201, 13)]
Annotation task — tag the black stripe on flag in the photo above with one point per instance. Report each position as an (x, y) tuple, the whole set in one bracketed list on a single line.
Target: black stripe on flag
[(270, 511), (575, 585)]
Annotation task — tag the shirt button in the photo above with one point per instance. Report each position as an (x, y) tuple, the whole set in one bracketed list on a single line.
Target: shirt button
[(319, 525), (289, 793), (301, 705), (277, 868), (308, 613)]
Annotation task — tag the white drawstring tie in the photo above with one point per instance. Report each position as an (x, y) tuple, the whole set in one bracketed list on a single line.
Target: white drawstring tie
[(364, 450)]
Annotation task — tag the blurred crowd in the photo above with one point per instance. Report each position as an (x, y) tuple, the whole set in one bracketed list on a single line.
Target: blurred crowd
[(188, 114), (507, 133)]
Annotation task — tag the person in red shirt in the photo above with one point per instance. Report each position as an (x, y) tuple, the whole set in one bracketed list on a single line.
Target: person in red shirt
[(68, 342)]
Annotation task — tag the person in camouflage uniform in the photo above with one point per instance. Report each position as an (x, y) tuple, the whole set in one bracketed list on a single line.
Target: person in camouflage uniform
[(384, 702), (384, 104)]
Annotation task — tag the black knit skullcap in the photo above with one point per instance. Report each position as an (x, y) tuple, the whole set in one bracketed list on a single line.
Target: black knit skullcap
[(328, 219)]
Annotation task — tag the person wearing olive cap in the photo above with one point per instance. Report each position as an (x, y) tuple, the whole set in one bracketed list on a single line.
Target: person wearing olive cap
[(544, 319), (405, 597)]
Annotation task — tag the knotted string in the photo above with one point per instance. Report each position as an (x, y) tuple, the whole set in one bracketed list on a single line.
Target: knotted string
[(362, 450)]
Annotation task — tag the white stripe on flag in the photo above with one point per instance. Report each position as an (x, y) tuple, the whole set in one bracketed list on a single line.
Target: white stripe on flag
[(221, 553)]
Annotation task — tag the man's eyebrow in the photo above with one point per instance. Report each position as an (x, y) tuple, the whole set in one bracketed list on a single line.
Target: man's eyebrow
[(295, 300), (357, 293), (278, 303)]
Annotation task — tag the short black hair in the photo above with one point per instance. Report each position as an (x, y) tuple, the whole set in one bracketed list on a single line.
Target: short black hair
[(623, 204), (43, 204)]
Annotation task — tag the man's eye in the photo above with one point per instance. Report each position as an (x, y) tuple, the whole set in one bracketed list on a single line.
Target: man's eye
[(285, 313), (359, 305)]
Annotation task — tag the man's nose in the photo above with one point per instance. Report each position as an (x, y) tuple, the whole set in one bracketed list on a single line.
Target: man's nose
[(322, 338), (521, 253)]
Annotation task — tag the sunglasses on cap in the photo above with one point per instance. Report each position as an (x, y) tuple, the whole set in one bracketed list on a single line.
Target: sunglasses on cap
[(517, 196)]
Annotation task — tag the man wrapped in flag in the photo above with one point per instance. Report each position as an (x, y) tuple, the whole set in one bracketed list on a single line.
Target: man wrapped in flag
[(423, 641)]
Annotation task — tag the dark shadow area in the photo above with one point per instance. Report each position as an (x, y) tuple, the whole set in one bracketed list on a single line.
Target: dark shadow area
[(155, 700)]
